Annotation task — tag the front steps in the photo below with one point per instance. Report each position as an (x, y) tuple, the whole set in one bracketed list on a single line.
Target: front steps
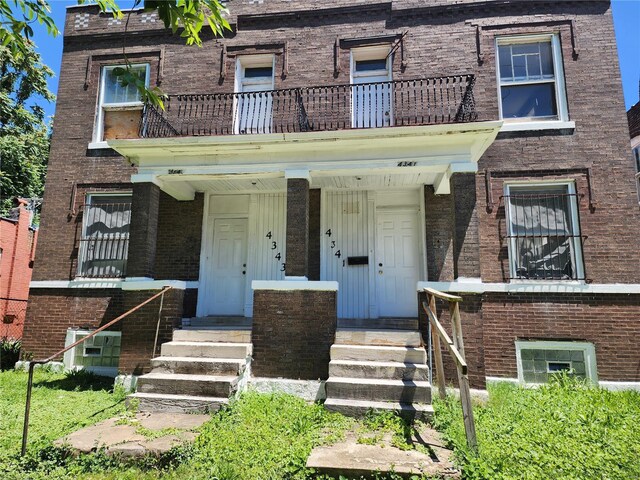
[(197, 371), (379, 369)]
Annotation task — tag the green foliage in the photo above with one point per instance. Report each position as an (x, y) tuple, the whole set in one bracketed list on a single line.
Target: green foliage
[(376, 425), (565, 429), (263, 436), (24, 137), (9, 353), (60, 404), (189, 16)]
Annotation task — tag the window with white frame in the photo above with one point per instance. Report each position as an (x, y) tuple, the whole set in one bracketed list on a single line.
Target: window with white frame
[(372, 89), (543, 232), (539, 360), (119, 105), (530, 79), (254, 97), (636, 156), (105, 235)]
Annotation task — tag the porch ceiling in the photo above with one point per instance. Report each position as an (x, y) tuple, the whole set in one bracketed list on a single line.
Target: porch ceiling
[(370, 158)]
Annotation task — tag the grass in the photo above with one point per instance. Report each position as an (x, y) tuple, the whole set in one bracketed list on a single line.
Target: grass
[(566, 429)]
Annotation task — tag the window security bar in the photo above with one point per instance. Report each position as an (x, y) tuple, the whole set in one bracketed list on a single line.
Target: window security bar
[(104, 244), (544, 237), (423, 101)]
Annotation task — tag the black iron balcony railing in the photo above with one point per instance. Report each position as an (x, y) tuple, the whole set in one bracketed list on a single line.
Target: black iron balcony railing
[(424, 101)]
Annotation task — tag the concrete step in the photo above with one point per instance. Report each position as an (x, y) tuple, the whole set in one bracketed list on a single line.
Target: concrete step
[(366, 336), (220, 334), (181, 384), (401, 391), (359, 408), (206, 349), (368, 353), (195, 366), (386, 370), (161, 402)]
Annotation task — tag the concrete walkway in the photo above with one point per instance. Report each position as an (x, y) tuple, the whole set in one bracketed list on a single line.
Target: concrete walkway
[(351, 459), (144, 433)]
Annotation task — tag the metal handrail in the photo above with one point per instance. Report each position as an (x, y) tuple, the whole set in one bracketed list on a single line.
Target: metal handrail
[(33, 363)]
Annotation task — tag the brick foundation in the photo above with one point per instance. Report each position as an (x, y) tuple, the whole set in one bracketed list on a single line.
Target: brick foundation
[(292, 333), (52, 311)]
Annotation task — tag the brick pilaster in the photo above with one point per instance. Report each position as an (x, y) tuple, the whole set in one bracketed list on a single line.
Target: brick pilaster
[(143, 232), (297, 227), (440, 227)]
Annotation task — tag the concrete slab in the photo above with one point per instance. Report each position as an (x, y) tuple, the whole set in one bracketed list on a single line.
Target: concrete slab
[(352, 459), (124, 436)]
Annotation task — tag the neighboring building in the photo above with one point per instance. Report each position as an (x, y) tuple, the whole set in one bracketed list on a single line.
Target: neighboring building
[(633, 116), (17, 248), (329, 162)]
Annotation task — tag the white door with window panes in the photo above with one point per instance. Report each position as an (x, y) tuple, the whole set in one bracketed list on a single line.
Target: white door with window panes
[(371, 93), (254, 97)]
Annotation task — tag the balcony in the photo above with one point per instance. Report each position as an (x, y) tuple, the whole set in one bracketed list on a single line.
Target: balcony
[(417, 102)]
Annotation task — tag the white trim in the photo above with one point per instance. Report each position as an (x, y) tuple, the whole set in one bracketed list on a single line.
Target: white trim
[(588, 348), (324, 286), (302, 173), (616, 386), (537, 125), (97, 145), (531, 286), (119, 283), (294, 278)]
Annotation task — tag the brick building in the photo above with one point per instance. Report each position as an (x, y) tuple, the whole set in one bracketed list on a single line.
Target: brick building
[(324, 165), (17, 249), (633, 117)]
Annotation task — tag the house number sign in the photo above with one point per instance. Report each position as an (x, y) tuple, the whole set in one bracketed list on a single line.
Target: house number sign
[(274, 246)]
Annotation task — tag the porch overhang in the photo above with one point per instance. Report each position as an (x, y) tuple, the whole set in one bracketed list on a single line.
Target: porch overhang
[(427, 154)]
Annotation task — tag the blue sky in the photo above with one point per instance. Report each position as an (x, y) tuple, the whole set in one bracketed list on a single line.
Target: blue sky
[(626, 17)]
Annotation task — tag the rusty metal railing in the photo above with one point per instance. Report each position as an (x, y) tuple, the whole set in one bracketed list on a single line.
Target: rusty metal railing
[(33, 363)]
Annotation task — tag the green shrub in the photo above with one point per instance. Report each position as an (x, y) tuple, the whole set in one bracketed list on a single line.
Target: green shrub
[(9, 353), (565, 429)]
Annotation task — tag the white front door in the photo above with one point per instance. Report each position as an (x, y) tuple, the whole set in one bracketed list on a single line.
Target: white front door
[(397, 263), (228, 273)]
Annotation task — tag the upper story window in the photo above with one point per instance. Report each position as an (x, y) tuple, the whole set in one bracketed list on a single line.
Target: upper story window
[(544, 232), (254, 102), (104, 242), (636, 156), (119, 106), (372, 91), (530, 79)]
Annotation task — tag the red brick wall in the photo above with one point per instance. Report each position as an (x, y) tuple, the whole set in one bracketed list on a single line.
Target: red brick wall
[(18, 243), (471, 317), (292, 333), (52, 311), (608, 321)]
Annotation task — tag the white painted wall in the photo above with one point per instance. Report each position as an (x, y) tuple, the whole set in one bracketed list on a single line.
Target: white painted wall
[(346, 215)]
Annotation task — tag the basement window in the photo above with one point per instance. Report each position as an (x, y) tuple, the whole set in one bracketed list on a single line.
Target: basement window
[(119, 106), (99, 354), (538, 361)]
